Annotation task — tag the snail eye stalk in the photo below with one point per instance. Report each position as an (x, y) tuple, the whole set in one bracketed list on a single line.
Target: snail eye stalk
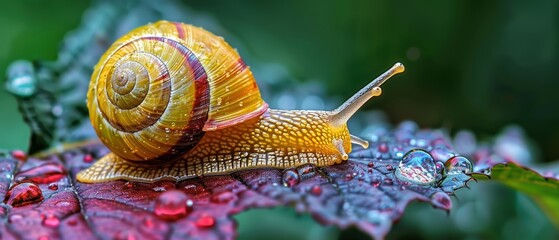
[(341, 115)]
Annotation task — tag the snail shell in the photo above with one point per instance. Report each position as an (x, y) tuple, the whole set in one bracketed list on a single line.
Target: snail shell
[(173, 101), (157, 89)]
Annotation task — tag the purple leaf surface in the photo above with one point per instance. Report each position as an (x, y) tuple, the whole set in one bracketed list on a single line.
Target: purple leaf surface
[(43, 199)]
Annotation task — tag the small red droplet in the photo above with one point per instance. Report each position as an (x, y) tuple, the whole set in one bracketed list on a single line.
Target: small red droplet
[(383, 148), (148, 222), (389, 167), (51, 221), (370, 164), (53, 186), (72, 222), (205, 221), (15, 218), (172, 205), (19, 155), (348, 177), (23, 194), (129, 184), (316, 190), (87, 158), (223, 197), (128, 234)]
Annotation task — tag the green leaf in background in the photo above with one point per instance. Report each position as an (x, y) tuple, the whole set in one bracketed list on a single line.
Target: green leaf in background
[(545, 191)]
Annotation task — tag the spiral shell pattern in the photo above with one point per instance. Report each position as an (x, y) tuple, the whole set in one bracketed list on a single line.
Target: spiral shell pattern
[(158, 88)]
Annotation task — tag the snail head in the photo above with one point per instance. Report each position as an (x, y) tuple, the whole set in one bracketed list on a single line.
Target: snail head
[(342, 114)]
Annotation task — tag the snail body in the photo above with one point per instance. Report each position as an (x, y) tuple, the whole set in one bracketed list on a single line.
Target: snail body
[(173, 101)]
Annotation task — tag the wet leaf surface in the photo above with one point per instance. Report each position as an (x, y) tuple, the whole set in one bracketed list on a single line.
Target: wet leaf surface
[(363, 192)]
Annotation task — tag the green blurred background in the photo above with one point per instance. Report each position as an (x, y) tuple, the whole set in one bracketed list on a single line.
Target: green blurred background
[(470, 65), (475, 65)]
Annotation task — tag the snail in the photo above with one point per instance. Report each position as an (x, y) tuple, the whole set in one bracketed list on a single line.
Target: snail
[(172, 101)]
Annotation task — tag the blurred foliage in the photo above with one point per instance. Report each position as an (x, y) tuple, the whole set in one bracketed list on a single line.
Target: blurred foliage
[(543, 190), (475, 65)]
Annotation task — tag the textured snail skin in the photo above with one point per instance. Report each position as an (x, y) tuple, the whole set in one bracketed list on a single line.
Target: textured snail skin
[(278, 139), (173, 101)]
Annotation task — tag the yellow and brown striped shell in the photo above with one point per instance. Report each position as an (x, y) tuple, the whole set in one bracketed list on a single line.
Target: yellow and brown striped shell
[(157, 89)]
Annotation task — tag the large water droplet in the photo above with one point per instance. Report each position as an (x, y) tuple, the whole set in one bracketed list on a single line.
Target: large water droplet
[(290, 178), (24, 194), (46, 173), (417, 166), (458, 164), (172, 205)]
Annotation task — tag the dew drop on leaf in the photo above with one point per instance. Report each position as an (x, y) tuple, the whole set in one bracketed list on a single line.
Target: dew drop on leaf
[(316, 190), (458, 164), (148, 222), (205, 221), (388, 181), (223, 197), (441, 200), (15, 218), (19, 155), (375, 182), (417, 166), (24, 194), (383, 147), (172, 205), (72, 222), (87, 158), (290, 178), (51, 221), (53, 186), (46, 173)]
